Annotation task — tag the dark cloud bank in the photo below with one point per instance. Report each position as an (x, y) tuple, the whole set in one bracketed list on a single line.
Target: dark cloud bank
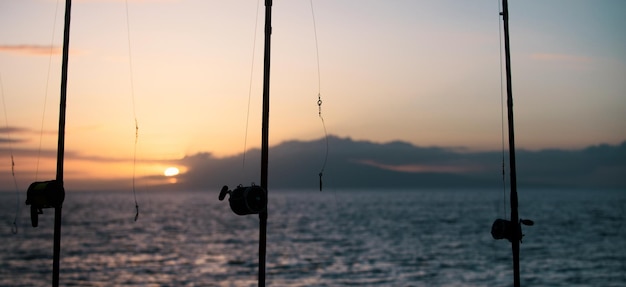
[(364, 164)]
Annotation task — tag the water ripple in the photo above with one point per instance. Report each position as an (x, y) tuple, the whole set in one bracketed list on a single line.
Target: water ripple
[(340, 238)]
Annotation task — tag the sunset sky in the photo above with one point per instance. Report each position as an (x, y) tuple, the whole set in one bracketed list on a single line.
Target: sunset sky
[(426, 72)]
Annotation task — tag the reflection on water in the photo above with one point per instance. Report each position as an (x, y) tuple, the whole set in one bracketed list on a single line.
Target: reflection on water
[(332, 238)]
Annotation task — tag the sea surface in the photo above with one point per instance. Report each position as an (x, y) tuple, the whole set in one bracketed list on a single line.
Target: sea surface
[(329, 238)]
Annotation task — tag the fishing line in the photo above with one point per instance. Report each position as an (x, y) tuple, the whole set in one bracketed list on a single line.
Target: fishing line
[(45, 98), (319, 113), (17, 191), (502, 115), (245, 139), (319, 94), (132, 92)]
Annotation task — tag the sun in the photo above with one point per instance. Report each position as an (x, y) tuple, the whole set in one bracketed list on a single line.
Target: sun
[(171, 171)]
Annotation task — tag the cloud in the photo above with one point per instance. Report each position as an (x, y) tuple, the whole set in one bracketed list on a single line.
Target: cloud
[(26, 152), (35, 50), (418, 168), (12, 134), (364, 164), (52, 154), (8, 132), (139, 1), (31, 50), (11, 140), (13, 130), (601, 166), (73, 155), (7, 135), (562, 58)]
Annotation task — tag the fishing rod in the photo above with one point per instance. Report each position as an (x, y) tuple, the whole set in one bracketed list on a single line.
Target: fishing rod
[(252, 199), (502, 228), (51, 194), (265, 140)]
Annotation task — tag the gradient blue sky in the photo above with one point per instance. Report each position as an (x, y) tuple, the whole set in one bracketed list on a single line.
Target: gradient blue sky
[(426, 72)]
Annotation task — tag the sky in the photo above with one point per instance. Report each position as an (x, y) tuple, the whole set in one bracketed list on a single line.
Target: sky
[(428, 72)]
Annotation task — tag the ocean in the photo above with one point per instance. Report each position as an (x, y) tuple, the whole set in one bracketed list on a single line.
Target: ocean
[(329, 238)]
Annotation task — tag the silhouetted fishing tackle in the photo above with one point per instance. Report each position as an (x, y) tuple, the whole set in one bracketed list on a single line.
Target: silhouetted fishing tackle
[(502, 228), (51, 194), (44, 194), (245, 200)]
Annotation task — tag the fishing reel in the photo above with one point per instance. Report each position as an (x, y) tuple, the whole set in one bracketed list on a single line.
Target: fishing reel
[(503, 228), (245, 200), (44, 194)]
